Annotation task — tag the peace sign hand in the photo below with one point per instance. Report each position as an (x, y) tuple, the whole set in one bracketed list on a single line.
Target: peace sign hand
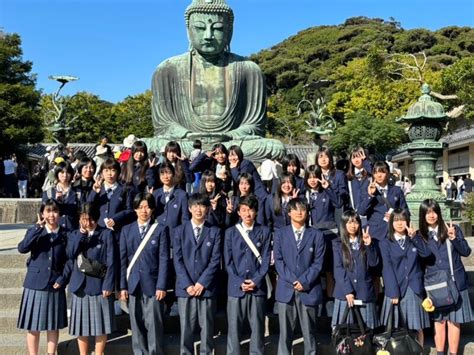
[(152, 162), (210, 153), (98, 184), (41, 221), (451, 231), (295, 193), (411, 231), (230, 206), (372, 188), (324, 183), (214, 201), (366, 238)]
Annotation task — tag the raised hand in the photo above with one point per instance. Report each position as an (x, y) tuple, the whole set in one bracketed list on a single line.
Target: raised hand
[(451, 231), (98, 183), (40, 221), (295, 193), (230, 206), (411, 231), (215, 200), (210, 154), (324, 183), (366, 238), (152, 162), (372, 188)]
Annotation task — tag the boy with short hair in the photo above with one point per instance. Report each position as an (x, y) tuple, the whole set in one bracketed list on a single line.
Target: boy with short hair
[(196, 257), (247, 268), (299, 254)]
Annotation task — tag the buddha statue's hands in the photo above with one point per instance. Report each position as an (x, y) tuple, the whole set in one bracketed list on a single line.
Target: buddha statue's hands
[(209, 137)]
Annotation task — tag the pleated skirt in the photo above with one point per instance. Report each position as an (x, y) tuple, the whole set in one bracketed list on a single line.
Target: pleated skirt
[(42, 310), (415, 316), (367, 311), (461, 313), (91, 315)]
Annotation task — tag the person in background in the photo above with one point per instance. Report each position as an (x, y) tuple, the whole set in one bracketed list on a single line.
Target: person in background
[(460, 187), (9, 180), (78, 156), (468, 184), (197, 150), (84, 178), (43, 303), (127, 148), (268, 172), (23, 176)]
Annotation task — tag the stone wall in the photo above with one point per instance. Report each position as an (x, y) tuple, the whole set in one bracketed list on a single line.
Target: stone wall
[(15, 210)]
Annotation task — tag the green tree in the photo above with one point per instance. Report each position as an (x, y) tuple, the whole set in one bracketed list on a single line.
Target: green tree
[(133, 116), (384, 134), (19, 115)]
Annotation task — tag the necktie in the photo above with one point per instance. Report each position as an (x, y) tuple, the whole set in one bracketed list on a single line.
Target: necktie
[(401, 242), (358, 175), (109, 193), (433, 235), (197, 232), (383, 191), (355, 245), (299, 238), (284, 205), (167, 195), (142, 231)]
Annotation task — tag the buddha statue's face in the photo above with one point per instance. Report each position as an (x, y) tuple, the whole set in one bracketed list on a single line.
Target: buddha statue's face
[(209, 33)]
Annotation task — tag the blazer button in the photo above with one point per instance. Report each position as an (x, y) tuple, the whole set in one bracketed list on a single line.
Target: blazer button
[(355, 281), (49, 258), (51, 240), (49, 268)]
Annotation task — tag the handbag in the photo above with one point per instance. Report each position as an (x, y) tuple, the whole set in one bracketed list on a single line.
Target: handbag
[(91, 267), (351, 338), (441, 287), (397, 341)]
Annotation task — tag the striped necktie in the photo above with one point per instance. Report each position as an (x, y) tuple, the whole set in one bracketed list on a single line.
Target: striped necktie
[(299, 238), (197, 233)]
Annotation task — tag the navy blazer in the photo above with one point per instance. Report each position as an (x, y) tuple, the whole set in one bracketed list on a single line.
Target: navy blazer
[(357, 186), (270, 218), (99, 247), (338, 181), (233, 218), (196, 262), (374, 207), (300, 185), (241, 263), (246, 166), (303, 265), (119, 207), (402, 267), (150, 271), (175, 211), (437, 258), (48, 263), (357, 281), (68, 206), (322, 209), (202, 163)]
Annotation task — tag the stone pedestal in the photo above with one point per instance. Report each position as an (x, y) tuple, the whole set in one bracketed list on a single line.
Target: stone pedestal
[(16, 210)]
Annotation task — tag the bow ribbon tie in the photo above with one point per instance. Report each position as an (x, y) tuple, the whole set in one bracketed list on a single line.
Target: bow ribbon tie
[(401, 242), (355, 245), (433, 235)]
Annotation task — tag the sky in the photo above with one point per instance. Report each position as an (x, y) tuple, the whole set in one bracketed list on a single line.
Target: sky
[(114, 46)]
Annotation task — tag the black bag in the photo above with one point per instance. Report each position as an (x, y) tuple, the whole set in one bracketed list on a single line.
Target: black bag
[(397, 341), (441, 289), (91, 267), (351, 338)]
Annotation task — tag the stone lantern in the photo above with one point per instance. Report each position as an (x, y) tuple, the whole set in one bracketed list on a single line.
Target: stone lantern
[(426, 119)]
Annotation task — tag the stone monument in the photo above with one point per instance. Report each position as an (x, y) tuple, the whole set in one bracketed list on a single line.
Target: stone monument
[(210, 93)]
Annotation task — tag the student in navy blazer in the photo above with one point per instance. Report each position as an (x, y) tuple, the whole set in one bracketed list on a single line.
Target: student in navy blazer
[(379, 199), (402, 273), (246, 287), (354, 253), (292, 165), (65, 195), (171, 202), (325, 160), (210, 186), (358, 176), (92, 309), (136, 172), (298, 253), (43, 304), (196, 257), (147, 283), (239, 165), (114, 199), (183, 175), (437, 234)]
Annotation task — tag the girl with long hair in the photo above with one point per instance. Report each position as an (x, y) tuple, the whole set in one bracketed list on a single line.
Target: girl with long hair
[(325, 161), (183, 174), (437, 234), (354, 253), (358, 178), (210, 186), (135, 172)]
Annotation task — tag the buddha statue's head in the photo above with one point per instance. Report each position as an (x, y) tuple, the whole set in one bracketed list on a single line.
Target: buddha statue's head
[(209, 24)]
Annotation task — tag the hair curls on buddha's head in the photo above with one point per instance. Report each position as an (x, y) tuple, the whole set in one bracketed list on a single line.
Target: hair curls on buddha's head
[(209, 6)]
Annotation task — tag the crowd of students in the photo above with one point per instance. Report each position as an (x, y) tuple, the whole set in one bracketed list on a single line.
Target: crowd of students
[(130, 230)]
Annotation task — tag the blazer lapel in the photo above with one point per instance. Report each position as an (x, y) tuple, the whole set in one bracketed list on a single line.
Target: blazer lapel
[(306, 237), (204, 233)]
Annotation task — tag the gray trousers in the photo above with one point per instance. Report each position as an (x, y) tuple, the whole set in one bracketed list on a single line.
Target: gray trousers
[(238, 309), (287, 315), (146, 318), (194, 310)]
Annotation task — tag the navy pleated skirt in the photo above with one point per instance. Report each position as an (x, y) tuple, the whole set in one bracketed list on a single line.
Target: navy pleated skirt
[(42, 310), (461, 313), (415, 316), (367, 311), (91, 315)]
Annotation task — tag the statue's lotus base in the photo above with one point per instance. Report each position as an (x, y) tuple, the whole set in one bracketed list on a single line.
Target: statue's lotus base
[(254, 149)]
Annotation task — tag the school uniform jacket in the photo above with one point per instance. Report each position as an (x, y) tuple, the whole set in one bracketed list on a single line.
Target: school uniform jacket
[(119, 207), (322, 209), (270, 218), (374, 207), (357, 281), (300, 185), (203, 163), (402, 267), (48, 263), (150, 271), (356, 186), (437, 258), (232, 218), (100, 247), (68, 206), (338, 181), (196, 262), (241, 263), (303, 265), (175, 211)]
